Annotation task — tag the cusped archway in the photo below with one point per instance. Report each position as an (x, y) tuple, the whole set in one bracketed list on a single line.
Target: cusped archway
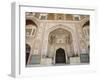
[(50, 49), (60, 38)]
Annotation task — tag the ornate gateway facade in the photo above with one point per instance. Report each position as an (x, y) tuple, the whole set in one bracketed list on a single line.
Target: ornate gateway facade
[(53, 38)]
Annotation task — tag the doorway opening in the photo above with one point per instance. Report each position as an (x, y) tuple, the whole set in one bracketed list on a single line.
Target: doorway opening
[(28, 49), (60, 56)]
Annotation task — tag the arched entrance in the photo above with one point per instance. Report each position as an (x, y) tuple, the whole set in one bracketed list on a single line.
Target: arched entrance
[(60, 56), (28, 49)]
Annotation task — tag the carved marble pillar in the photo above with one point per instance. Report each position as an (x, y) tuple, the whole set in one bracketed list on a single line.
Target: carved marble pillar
[(75, 42)]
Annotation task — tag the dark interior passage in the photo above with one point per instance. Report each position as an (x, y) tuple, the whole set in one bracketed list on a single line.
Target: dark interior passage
[(28, 48), (60, 56)]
